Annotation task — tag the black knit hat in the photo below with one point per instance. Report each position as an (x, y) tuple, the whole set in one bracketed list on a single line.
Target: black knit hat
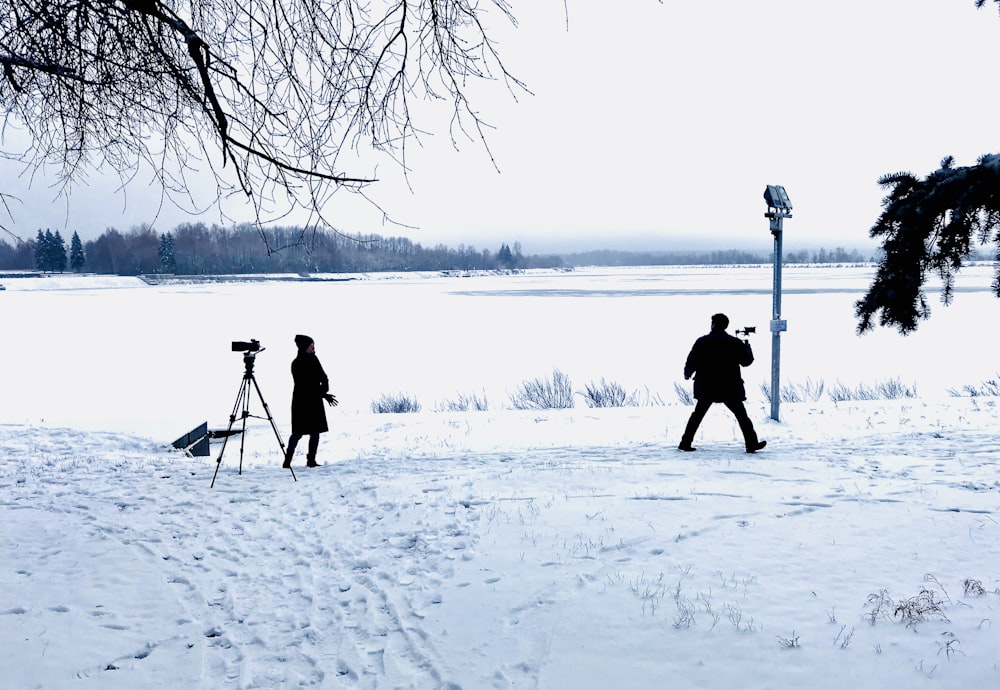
[(303, 341)]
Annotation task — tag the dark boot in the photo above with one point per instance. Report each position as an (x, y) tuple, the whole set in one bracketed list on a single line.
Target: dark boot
[(311, 450), (694, 421), (757, 445), (293, 442)]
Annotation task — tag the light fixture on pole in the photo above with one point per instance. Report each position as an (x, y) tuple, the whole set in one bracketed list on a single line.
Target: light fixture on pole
[(779, 207)]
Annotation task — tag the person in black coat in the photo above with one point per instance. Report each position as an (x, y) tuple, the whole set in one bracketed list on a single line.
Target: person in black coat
[(715, 361), (311, 389)]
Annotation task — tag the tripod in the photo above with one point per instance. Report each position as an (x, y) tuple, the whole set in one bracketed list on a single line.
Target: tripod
[(243, 405)]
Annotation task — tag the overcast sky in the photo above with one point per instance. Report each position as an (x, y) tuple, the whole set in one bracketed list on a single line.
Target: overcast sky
[(659, 125)]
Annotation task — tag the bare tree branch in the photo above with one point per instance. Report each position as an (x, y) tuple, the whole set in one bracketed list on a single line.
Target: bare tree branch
[(274, 90)]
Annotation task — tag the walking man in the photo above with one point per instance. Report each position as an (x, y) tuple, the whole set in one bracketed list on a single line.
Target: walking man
[(715, 361)]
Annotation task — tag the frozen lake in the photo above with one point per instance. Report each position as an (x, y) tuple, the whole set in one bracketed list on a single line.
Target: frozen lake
[(117, 354)]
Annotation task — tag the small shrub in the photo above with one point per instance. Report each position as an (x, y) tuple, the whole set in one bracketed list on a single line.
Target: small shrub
[(651, 399), (974, 588), (686, 610), (841, 393), (892, 389), (809, 391), (609, 394), (683, 394), (843, 638), (989, 388), (650, 591), (950, 647), (398, 403), (921, 607), (924, 606), (879, 605), (465, 403), (789, 642), (544, 394), (735, 615)]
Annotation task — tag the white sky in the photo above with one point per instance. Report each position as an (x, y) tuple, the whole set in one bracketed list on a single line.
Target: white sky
[(661, 124)]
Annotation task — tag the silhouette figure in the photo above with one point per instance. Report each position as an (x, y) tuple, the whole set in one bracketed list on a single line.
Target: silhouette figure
[(715, 361), (311, 389)]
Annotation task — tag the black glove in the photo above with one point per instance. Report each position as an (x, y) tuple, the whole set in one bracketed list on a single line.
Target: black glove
[(331, 400)]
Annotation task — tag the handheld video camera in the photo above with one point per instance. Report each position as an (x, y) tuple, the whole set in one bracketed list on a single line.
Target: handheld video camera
[(746, 330)]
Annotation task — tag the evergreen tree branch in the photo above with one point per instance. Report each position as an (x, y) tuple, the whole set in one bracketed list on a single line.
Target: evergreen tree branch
[(930, 226)]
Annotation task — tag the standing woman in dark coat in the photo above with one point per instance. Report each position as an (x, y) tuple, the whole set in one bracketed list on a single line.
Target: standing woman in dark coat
[(715, 362), (311, 389)]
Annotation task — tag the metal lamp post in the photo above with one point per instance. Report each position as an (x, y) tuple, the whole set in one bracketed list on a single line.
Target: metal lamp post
[(778, 208)]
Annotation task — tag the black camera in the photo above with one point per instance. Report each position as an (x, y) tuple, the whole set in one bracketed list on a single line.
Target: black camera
[(746, 330), (243, 346)]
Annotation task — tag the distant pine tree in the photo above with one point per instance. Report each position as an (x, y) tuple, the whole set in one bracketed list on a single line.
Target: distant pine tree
[(41, 252), (49, 260), (168, 261), (50, 251), (505, 258), (76, 256), (59, 260)]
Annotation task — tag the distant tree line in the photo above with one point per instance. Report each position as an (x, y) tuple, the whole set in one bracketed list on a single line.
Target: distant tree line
[(198, 249), (17, 257), (723, 257), (47, 253)]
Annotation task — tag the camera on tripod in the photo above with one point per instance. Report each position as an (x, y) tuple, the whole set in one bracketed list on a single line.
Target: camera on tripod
[(746, 330), (241, 409), (250, 350), (244, 346)]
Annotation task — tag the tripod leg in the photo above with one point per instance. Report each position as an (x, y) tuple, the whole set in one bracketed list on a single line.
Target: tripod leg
[(245, 413), (274, 426), (240, 396)]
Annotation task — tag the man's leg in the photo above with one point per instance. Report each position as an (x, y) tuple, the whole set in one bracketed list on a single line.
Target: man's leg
[(739, 410), (293, 441), (700, 409), (311, 452)]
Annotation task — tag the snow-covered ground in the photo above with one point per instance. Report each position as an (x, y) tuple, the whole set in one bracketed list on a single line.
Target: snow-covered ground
[(500, 549)]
